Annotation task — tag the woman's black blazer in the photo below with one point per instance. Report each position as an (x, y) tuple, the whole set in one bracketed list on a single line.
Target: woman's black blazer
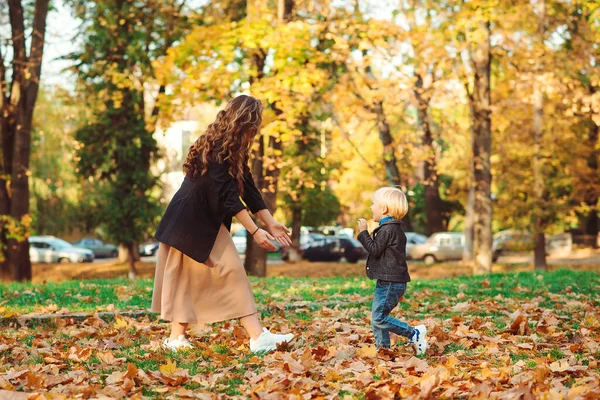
[(195, 214)]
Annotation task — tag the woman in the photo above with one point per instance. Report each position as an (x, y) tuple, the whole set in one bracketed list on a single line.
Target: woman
[(199, 275)]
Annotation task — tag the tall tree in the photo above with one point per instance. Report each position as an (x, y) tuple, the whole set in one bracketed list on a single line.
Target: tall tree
[(308, 200), (427, 57), (228, 58), (479, 51), (18, 95), (266, 172), (362, 42), (580, 61), (538, 139), (55, 187), (117, 147), (430, 178)]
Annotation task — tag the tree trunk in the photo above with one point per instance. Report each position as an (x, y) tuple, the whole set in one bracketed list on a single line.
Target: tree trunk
[(433, 201), (7, 135), (284, 10), (482, 219), (469, 217), (592, 226), (125, 252), (539, 257), (133, 256), (295, 254), (5, 274), (19, 264), (16, 117), (255, 261), (593, 222), (538, 138), (392, 173)]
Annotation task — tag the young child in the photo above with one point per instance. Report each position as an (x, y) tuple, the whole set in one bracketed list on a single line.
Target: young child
[(387, 264)]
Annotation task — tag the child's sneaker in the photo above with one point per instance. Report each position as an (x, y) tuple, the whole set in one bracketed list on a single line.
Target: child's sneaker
[(268, 341), (180, 343), (418, 339)]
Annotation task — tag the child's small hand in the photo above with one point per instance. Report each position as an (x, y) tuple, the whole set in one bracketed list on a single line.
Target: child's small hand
[(362, 224)]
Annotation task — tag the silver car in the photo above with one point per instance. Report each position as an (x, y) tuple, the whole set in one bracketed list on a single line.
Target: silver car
[(99, 248), (441, 246), (413, 238), (50, 249)]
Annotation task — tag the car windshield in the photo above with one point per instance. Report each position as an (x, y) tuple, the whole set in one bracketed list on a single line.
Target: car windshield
[(61, 244), (419, 239), (433, 238)]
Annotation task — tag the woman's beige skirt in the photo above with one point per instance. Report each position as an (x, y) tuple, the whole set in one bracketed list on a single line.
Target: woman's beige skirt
[(187, 291)]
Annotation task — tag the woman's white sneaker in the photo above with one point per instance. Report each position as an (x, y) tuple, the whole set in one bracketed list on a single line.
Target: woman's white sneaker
[(268, 341), (180, 343)]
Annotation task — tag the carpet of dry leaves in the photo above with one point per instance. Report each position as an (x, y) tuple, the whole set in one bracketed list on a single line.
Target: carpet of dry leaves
[(538, 346)]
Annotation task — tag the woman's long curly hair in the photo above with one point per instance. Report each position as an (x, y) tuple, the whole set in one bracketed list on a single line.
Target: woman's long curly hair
[(229, 138)]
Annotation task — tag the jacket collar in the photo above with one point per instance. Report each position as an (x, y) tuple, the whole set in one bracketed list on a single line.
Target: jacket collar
[(385, 219), (389, 222)]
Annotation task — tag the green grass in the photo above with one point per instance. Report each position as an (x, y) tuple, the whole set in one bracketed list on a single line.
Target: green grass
[(517, 357), (88, 296), (453, 348), (77, 295), (232, 386), (556, 354)]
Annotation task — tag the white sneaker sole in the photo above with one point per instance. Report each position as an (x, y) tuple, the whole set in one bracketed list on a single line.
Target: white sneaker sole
[(176, 348), (267, 349)]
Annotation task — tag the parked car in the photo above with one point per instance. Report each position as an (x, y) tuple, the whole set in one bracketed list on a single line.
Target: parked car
[(513, 241), (305, 239), (50, 249), (148, 249), (441, 246), (99, 248), (322, 248), (413, 238), (239, 240), (352, 250)]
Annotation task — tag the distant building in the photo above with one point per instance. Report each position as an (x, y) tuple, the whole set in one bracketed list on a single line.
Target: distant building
[(174, 143)]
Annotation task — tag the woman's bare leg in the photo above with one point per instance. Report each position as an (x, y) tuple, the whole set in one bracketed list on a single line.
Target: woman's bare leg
[(252, 325), (178, 328)]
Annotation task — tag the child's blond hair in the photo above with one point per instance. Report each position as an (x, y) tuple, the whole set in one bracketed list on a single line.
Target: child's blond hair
[(394, 199)]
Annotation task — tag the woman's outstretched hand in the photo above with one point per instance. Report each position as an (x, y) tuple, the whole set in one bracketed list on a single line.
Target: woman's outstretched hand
[(263, 238), (281, 233)]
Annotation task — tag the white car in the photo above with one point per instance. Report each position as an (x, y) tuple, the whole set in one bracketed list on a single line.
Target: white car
[(413, 238), (441, 246), (239, 239), (50, 249)]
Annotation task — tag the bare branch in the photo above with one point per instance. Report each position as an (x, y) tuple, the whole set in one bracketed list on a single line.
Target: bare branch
[(36, 52), (347, 137), (18, 30), (3, 83)]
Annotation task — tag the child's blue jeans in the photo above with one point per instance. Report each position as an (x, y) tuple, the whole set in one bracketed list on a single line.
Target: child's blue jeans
[(387, 295)]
